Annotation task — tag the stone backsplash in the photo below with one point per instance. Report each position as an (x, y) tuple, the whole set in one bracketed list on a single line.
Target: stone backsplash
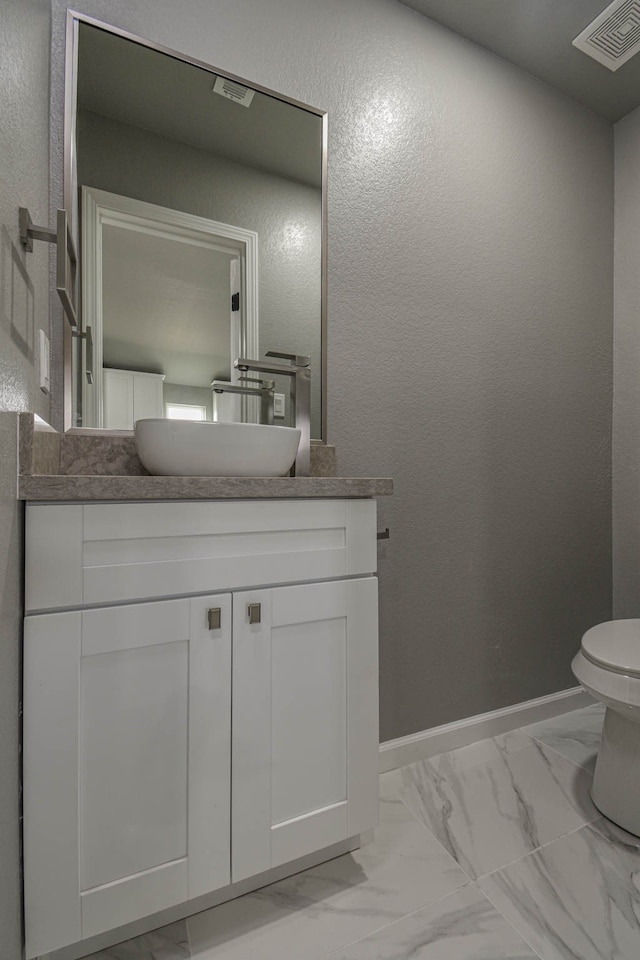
[(91, 453)]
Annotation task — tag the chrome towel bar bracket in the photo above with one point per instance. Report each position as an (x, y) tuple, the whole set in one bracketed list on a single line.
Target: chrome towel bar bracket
[(66, 258)]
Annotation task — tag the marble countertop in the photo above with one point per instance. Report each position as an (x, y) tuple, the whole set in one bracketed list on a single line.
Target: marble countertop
[(104, 465), (62, 487)]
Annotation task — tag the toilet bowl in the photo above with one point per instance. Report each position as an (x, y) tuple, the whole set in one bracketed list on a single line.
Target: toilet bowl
[(608, 667)]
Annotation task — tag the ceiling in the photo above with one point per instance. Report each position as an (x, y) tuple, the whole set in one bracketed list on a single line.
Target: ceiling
[(536, 35), (135, 84)]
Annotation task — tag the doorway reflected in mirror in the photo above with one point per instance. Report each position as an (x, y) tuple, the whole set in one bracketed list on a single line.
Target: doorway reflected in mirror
[(170, 296)]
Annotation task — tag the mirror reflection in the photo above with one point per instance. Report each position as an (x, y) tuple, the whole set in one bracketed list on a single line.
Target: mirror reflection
[(200, 212)]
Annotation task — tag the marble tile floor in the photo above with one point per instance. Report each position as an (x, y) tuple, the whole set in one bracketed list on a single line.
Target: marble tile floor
[(490, 852)]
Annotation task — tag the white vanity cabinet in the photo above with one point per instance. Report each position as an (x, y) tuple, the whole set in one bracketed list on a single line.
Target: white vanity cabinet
[(130, 395), (200, 700)]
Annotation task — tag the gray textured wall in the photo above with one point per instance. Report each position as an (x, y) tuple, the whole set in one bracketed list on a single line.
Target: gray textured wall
[(626, 364), (123, 159), (24, 309), (470, 330)]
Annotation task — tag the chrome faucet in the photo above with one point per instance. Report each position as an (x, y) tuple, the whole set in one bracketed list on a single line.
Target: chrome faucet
[(262, 389), (299, 371)]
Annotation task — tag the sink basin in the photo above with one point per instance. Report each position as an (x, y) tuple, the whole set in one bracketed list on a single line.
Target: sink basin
[(196, 448)]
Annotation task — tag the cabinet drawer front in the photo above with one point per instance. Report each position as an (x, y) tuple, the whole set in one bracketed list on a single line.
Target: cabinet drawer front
[(104, 553)]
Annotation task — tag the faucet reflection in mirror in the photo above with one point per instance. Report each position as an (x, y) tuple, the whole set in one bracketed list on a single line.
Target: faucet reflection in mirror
[(263, 389), (300, 375), (151, 139)]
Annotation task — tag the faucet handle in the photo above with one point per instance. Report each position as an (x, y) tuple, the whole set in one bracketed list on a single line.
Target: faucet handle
[(259, 381), (296, 359)]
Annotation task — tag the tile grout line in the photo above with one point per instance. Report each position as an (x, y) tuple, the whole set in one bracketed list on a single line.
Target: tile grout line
[(470, 881), (534, 742), (433, 836), (580, 766), (428, 761), (412, 913), (433, 903), (549, 747), (542, 846), (505, 917)]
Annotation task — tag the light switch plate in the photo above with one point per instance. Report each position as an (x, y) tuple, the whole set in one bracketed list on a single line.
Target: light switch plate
[(278, 406), (45, 377)]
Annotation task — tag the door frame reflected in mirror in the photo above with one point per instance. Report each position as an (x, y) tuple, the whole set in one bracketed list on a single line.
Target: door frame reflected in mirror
[(101, 208), (74, 19)]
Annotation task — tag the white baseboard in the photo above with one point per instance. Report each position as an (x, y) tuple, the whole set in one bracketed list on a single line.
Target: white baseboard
[(428, 743)]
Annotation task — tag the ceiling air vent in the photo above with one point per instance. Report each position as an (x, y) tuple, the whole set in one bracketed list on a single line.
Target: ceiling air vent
[(233, 90), (614, 36)]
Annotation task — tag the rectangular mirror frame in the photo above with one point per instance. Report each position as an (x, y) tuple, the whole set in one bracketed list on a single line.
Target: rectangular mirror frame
[(70, 185)]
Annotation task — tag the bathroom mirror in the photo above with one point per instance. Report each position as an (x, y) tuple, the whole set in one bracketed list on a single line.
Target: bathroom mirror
[(199, 201)]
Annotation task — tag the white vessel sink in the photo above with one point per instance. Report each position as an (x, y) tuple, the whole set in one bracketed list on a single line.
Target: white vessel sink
[(190, 448)]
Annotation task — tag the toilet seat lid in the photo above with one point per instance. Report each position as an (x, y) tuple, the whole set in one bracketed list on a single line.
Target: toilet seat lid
[(614, 645)]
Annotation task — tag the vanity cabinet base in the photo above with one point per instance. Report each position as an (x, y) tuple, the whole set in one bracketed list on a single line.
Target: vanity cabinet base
[(178, 747), (103, 941)]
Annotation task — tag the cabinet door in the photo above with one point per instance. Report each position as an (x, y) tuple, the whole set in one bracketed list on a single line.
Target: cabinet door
[(148, 396), (118, 399), (126, 764), (305, 720)]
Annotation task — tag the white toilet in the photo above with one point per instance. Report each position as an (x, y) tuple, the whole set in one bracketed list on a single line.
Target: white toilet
[(608, 666)]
